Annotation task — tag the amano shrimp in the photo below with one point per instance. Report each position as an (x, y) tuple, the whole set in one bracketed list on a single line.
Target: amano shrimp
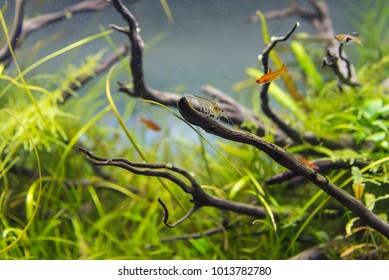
[(210, 107)]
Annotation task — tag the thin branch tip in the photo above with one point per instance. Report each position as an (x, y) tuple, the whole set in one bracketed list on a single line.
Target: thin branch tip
[(83, 150)]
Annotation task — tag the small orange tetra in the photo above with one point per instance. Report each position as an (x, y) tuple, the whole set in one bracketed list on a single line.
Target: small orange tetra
[(271, 76), (150, 124), (348, 39)]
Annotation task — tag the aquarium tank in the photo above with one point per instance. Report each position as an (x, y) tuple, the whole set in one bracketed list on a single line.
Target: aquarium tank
[(194, 130)]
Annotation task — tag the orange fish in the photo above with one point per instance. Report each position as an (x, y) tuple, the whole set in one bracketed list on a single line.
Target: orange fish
[(348, 39), (271, 76), (150, 124)]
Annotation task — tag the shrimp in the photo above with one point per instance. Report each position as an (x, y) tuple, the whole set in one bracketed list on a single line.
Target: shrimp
[(307, 162), (210, 107)]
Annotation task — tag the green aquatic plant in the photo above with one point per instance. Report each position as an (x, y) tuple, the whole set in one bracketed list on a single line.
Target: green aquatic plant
[(314, 79), (372, 23)]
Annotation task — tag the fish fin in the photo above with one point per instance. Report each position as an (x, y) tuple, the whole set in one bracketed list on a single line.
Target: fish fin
[(284, 68), (268, 70), (354, 34)]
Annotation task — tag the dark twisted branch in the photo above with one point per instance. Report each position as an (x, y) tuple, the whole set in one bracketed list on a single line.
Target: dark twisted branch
[(320, 20), (323, 166), (240, 114), (107, 62), (235, 111), (294, 135), (209, 232), (221, 228), (323, 25), (199, 197), (38, 22), (340, 246), (274, 41), (137, 46), (292, 9), (284, 158), (166, 215), (14, 35), (345, 59), (21, 29), (287, 129), (136, 61), (140, 88), (318, 252)]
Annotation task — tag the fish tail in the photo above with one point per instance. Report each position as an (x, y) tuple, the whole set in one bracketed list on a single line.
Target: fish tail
[(358, 41), (284, 68)]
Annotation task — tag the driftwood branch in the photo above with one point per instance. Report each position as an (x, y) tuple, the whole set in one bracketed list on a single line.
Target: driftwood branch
[(23, 28), (292, 9), (199, 197), (274, 41), (284, 158), (341, 247), (221, 228), (333, 61), (5, 54), (141, 90), (38, 22), (180, 221), (296, 136), (320, 20), (226, 225), (313, 253), (323, 167), (235, 111), (107, 62), (240, 114)]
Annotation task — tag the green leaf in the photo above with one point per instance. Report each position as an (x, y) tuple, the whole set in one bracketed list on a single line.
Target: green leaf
[(265, 32), (237, 187), (377, 137), (384, 110), (350, 224), (370, 201), (235, 150), (313, 76), (381, 124), (371, 108), (386, 196), (385, 145), (254, 72)]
